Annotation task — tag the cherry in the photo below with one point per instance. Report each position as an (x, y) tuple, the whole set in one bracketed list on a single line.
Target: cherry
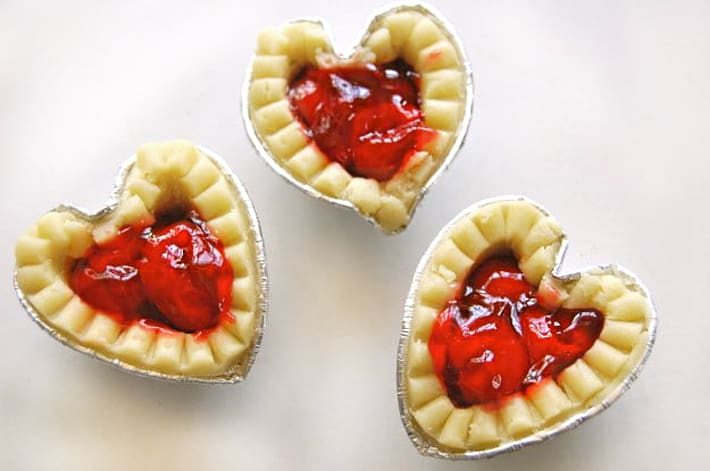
[(496, 338), (171, 274), (367, 118), (107, 278)]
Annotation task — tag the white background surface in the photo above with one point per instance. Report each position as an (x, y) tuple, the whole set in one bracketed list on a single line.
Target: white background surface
[(599, 111)]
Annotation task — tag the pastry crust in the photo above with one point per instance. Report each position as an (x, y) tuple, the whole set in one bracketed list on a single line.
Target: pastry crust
[(163, 175), (408, 32), (536, 240)]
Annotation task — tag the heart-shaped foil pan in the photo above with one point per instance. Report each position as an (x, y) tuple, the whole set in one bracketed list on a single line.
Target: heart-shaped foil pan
[(293, 155), (239, 368), (439, 429)]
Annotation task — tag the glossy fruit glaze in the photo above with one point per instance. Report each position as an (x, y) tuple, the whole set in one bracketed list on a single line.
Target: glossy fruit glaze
[(171, 275), (496, 338), (365, 117)]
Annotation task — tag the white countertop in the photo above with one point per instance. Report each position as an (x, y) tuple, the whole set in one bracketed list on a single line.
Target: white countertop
[(598, 111)]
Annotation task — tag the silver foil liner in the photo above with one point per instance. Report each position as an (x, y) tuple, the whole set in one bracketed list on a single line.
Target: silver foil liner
[(237, 372), (429, 447), (423, 8)]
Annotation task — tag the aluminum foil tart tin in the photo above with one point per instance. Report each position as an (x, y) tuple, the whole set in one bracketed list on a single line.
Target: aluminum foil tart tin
[(421, 7), (428, 446), (237, 372)]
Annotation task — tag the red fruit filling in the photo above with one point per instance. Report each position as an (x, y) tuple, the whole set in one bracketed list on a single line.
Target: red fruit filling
[(173, 274), (368, 118), (496, 338)]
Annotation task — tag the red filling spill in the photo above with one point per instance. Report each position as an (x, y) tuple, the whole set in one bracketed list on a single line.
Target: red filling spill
[(367, 118), (497, 339), (170, 275)]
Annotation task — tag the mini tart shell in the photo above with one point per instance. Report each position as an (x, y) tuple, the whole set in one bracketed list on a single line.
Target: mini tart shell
[(161, 175), (587, 386), (410, 32)]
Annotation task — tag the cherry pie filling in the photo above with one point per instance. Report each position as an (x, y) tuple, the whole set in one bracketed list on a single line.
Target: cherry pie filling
[(497, 339), (367, 117), (172, 275)]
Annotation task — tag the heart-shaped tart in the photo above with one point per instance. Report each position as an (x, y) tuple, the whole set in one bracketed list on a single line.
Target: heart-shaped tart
[(168, 280), (498, 350), (370, 131)]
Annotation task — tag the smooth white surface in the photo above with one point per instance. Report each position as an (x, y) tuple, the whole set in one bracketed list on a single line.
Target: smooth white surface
[(598, 111)]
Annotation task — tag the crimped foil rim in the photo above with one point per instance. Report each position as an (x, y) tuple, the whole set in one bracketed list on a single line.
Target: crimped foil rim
[(427, 446), (245, 364), (462, 131)]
